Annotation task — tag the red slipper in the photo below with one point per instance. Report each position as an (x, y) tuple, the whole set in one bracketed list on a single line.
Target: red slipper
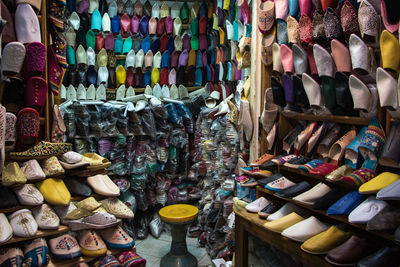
[(28, 128), (324, 169)]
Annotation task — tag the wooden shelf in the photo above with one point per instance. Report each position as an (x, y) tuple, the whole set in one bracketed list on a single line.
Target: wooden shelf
[(141, 90), (329, 118), (313, 177), (254, 225), (40, 233), (338, 219), (13, 209)]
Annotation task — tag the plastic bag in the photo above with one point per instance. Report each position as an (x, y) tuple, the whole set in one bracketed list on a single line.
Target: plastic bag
[(149, 123)]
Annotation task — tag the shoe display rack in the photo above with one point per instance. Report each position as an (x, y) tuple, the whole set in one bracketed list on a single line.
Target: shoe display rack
[(20, 242)]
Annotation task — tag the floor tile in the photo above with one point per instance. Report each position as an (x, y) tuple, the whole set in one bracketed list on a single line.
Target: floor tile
[(153, 247)]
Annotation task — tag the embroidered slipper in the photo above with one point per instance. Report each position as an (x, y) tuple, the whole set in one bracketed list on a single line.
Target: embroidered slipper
[(11, 131), (373, 140), (310, 165), (58, 127), (28, 128), (279, 184), (358, 177), (343, 170), (282, 160), (249, 183), (324, 169), (297, 161), (42, 150), (352, 157), (266, 16)]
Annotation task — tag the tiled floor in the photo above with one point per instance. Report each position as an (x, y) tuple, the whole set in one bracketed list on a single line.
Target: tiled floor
[(153, 250)]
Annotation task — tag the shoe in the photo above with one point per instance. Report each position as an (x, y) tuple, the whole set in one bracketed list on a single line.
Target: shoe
[(37, 252), (367, 210), (272, 207), (48, 188), (284, 210), (279, 184), (358, 177), (323, 242), (103, 185), (390, 192), (337, 174), (11, 257), (294, 190), (117, 208), (379, 182), (283, 223), (7, 231), (369, 22), (64, 247), (29, 195), (117, 238), (91, 244), (349, 252), (384, 257), (346, 204), (46, 217), (257, 205), (305, 229), (23, 224), (384, 221), (42, 150)]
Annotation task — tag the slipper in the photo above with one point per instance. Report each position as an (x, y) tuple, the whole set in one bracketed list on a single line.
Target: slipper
[(329, 139), (279, 184), (373, 140), (58, 128), (302, 138), (42, 150), (28, 128), (270, 111), (242, 178), (249, 183), (351, 153), (315, 139), (282, 160), (343, 170), (336, 152), (324, 169), (272, 138), (310, 165), (289, 139), (10, 131), (266, 16), (297, 161), (358, 177), (264, 158)]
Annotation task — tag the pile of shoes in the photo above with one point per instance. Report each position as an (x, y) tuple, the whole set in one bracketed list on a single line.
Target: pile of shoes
[(216, 156), (108, 45), (324, 57)]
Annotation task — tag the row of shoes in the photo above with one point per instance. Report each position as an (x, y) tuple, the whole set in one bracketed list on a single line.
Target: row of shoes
[(85, 214), (298, 24), (318, 237), (66, 247)]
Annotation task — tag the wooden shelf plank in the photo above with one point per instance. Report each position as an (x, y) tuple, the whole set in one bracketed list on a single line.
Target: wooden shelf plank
[(329, 118), (339, 219), (40, 233), (254, 225)]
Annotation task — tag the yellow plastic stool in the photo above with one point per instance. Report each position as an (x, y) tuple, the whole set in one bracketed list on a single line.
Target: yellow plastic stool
[(178, 217)]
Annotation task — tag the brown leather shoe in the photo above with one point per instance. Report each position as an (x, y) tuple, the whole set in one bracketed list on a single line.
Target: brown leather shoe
[(349, 252)]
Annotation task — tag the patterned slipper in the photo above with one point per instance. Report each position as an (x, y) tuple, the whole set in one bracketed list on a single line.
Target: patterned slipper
[(359, 176), (11, 131), (324, 169), (28, 128), (264, 158), (42, 150), (310, 165)]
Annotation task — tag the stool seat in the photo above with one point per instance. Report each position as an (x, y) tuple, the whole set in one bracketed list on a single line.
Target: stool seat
[(178, 213)]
